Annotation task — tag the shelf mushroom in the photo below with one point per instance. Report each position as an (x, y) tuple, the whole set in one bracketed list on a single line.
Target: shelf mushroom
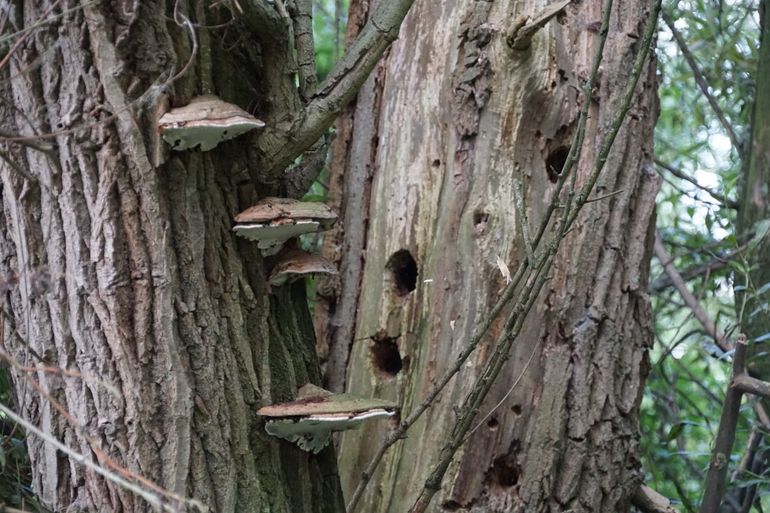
[(205, 121), (273, 221), (310, 419), (294, 265)]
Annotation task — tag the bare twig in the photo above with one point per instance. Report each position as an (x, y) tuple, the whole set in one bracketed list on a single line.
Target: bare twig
[(521, 215), (749, 385), (18, 169), (15, 334), (702, 84), (23, 36), (688, 297), (523, 30), (715, 478), (684, 176), (152, 498), (340, 86), (183, 21), (650, 501), (720, 260)]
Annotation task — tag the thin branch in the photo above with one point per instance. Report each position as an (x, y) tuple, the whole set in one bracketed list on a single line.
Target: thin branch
[(340, 86), (714, 486), (649, 501), (15, 334), (23, 34), (702, 84), (302, 17), (152, 498), (15, 167), (749, 385), (684, 176), (718, 262), (605, 196), (520, 35), (688, 297), (301, 176), (521, 215)]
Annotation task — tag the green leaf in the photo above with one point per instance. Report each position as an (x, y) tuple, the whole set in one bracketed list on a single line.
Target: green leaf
[(675, 431)]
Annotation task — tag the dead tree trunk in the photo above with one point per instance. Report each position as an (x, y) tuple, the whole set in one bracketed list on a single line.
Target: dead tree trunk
[(460, 115), (130, 275)]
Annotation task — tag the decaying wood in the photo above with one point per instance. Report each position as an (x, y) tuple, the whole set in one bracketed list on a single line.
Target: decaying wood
[(462, 117), (352, 169)]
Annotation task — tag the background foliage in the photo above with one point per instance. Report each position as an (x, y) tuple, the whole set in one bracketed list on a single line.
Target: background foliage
[(701, 169)]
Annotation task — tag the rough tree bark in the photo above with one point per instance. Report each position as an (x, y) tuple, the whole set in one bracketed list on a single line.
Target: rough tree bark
[(130, 274), (460, 116)]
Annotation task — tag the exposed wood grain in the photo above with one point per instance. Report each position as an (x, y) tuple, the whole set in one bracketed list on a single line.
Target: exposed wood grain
[(463, 117)]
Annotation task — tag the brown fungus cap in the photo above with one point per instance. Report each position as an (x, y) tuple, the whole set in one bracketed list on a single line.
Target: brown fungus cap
[(298, 264), (314, 400), (273, 209), (205, 121), (309, 420), (273, 221)]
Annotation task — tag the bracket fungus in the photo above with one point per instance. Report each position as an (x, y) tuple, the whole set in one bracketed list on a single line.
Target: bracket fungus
[(294, 265), (310, 419), (205, 121), (273, 221)]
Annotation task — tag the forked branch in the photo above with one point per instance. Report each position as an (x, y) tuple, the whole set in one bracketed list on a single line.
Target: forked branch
[(340, 87)]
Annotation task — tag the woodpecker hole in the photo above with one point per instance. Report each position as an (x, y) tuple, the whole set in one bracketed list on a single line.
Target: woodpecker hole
[(436, 163), (516, 409), (555, 162), (492, 424), (402, 269), (504, 472), (385, 356)]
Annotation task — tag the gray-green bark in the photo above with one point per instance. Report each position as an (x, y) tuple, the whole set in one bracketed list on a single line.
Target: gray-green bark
[(130, 274), (461, 116)]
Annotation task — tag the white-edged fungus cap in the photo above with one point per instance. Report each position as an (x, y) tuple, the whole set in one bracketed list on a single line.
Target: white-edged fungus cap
[(205, 121), (273, 221), (309, 420)]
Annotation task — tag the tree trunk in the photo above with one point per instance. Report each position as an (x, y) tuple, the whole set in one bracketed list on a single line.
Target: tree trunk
[(461, 116), (754, 214), (751, 303), (130, 275)]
